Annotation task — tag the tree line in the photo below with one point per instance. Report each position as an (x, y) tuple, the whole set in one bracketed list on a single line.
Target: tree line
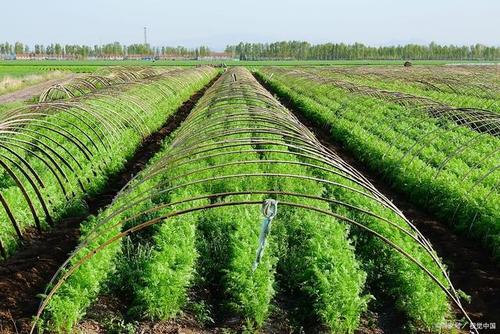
[(101, 51), (301, 50)]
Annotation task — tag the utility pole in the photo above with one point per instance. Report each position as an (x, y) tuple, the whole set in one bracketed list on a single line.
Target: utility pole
[(145, 36)]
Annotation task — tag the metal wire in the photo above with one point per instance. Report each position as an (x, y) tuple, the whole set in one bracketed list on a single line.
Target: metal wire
[(480, 174), (46, 138), (477, 119), (235, 122)]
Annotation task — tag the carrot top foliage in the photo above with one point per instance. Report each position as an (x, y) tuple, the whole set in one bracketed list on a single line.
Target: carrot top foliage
[(185, 230)]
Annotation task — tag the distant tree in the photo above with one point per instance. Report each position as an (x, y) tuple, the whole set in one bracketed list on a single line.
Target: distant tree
[(303, 50), (299, 50), (18, 48), (58, 49)]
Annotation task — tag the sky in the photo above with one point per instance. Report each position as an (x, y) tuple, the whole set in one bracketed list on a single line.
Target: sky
[(216, 23)]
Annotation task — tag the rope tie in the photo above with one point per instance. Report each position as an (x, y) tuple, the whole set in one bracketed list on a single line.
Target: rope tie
[(269, 210)]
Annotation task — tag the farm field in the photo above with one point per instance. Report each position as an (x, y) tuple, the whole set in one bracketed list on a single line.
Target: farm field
[(18, 71), (477, 87), (274, 197), (103, 131), (442, 157), (23, 67)]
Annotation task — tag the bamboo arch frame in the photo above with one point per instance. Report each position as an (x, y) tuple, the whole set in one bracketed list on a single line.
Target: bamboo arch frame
[(471, 84), (486, 123), (89, 125), (480, 120), (109, 77), (207, 133)]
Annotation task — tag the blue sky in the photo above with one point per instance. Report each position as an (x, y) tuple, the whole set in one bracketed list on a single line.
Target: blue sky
[(219, 22)]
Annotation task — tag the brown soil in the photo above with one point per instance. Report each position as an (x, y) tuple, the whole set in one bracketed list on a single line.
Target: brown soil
[(107, 314), (25, 274), (110, 313), (471, 267), (34, 90)]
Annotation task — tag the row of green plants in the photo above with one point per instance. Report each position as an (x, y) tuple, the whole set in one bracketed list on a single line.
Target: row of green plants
[(103, 78), (444, 167), (391, 278), (13, 70), (56, 154), (4, 107), (477, 95), (240, 139)]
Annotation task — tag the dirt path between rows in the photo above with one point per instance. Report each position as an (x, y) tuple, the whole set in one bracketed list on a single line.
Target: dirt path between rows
[(471, 268), (25, 274), (33, 90)]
